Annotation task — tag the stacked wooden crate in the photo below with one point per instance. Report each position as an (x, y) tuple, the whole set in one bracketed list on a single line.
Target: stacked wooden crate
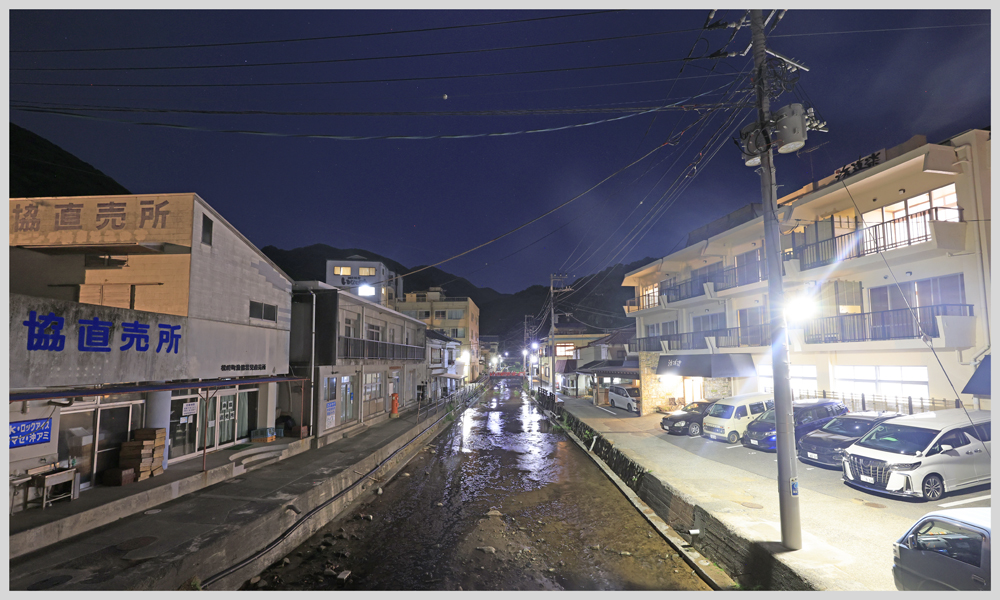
[(144, 453)]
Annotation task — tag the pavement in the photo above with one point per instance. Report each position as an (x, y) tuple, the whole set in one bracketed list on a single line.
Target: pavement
[(845, 544), (202, 532)]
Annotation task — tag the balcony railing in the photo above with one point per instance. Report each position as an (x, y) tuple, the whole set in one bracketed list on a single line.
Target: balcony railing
[(358, 348), (689, 288), (904, 231), (743, 337), (898, 324), (741, 275), (642, 303)]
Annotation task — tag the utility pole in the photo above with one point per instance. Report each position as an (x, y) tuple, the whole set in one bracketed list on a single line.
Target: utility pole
[(788, 488), (560, 277)]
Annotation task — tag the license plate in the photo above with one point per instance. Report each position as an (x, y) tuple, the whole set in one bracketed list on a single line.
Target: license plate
[(867, 479), (812, 455), (712, 436), (754, 442)]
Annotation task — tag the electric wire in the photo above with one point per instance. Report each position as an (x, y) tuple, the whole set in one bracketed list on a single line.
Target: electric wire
[(350, 60), (883, 30), (311, 39)]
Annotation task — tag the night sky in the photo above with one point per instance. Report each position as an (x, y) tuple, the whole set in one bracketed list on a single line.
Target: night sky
[(421, 201)]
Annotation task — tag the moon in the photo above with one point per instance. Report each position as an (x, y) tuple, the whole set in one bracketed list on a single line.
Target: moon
[(445, 96)]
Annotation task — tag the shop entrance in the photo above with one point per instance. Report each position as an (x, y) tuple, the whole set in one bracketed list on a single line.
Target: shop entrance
[(347, 399), (693, 389)]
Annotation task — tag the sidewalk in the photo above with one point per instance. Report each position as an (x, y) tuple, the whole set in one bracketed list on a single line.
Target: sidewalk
[(846, 546), (229, 513)]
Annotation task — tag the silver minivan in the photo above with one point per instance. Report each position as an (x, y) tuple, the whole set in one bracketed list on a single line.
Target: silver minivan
[(945, 550), (622, 397)]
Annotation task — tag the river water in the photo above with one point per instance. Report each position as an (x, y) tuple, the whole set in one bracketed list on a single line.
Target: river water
[(561, 524)]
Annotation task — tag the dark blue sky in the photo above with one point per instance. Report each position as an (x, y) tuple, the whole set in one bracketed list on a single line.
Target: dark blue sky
[(423, 200)]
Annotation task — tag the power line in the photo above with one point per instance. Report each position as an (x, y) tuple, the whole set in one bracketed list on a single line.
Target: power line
[(879, 30), (350, 60), (352, 81), (313, 39)]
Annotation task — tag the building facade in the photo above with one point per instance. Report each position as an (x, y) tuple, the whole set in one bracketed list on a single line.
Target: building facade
[(883, 261), (139, 311), (442, 358), (457, 318), (357, 355), (369, 279), (559, 354)]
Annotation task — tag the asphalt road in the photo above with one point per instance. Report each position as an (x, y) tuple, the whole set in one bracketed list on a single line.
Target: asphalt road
[(765, 464)]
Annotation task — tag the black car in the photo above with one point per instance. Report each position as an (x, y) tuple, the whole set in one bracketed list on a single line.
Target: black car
[(826, 445), (687, 420), (807, 416)]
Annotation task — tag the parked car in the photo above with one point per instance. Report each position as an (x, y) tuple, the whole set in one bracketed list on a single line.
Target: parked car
[(687, 420), (621, 397), (945, 550), (825, 446), (925, 455), (728, 417), (807, 415)]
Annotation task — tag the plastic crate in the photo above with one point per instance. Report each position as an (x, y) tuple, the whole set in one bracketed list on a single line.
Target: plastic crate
[(263, 435)]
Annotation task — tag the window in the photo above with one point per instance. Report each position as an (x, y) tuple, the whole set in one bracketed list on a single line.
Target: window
[(365, 271), (351, 325), (374, 332), (372, 387), (421, 297), (457, 332), (424, 314), (436, 356), (653, 330), (750, 267), (884, 380), (206, 230), (439, 314), (948, 539), (709, 322), (266, 312), (650, 296), (947, 289), (342, 270), (803, 377), (456, 314), (565, 350), (410, 313), (741, 411)]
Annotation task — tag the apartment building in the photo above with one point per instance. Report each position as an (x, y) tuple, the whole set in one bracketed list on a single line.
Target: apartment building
[(357, 353), (138, 311), (442, 357), (370, 279), (883, 260), (457, 318)]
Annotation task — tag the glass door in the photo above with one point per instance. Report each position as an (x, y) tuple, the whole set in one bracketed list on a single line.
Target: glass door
[(347, 398), (76, 443), (227, 418), (183, 426), (207, 437), (112, 429), (246, 414)]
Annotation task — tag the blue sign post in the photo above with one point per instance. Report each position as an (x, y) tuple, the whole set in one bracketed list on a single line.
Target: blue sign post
[(29, 433)]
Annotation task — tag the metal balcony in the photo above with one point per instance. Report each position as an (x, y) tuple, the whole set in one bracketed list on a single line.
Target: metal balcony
[(898, 324), (904, 231), (359, 348)]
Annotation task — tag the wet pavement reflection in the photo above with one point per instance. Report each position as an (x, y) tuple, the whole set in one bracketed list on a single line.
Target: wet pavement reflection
[(501, 500)]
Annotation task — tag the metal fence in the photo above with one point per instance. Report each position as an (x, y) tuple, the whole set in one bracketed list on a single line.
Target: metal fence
[(906, 405), (360, 348), (881, 325)]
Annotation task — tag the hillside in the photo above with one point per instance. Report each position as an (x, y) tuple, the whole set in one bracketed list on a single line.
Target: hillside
[(39, 168)]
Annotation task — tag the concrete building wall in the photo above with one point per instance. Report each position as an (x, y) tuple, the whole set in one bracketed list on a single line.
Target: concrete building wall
[(45, 276)]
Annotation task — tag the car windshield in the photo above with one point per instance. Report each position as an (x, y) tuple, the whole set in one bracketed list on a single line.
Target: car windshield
[(722, 411), (848, 426), (693, 407), (768, 416), (899, 439)]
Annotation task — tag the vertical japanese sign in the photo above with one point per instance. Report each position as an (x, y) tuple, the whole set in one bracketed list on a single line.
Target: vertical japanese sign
[(29, 433), (331, 414)]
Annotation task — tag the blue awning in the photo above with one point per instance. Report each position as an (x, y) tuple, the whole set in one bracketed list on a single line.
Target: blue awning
[(110, 390), (979, 384)]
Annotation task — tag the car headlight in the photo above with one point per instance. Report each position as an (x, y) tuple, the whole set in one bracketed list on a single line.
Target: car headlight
[(681, 423), (904, 466)]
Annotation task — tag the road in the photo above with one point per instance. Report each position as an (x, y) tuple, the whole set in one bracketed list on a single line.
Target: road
[(811, 477)]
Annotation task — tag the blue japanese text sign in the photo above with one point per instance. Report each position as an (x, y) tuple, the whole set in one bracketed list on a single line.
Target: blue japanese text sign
[(29, 433)]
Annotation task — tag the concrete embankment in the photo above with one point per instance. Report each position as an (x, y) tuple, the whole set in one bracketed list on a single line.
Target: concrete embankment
[(224, 534)]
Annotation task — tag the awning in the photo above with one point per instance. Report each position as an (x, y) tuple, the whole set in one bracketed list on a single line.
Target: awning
[(707, 365), (152, 387), (979, 385)]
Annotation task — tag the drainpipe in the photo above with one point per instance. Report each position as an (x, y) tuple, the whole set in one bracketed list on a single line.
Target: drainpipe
[(361, 375), (980, 236), (312, 372)]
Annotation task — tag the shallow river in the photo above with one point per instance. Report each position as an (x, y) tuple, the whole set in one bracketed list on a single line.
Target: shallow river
[(561, 523)]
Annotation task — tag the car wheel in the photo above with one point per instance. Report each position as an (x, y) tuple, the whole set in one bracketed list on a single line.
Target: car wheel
[(629, 408), (933, 488), (694, 429), (613, 404), (733, 437)]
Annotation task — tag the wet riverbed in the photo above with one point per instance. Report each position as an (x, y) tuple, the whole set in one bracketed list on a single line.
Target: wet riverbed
[(501, 500)]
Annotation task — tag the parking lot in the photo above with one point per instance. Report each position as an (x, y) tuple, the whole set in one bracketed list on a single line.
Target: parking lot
[(814, 478)]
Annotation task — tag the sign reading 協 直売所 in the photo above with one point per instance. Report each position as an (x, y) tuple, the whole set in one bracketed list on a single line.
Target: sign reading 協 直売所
[(29, 433)]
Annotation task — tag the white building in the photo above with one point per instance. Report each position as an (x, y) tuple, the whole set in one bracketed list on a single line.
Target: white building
[(917, 214), (442, 358), (138, 311), (369, 279)]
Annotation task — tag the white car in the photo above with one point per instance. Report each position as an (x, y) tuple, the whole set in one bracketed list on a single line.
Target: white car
[(621, 397), (944, 550), (925, 455)]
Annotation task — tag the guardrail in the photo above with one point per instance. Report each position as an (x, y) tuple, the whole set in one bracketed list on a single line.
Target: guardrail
[(866, 402), (894, 324)]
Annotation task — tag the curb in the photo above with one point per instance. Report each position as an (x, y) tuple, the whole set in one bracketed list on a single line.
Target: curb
[(706, 569)]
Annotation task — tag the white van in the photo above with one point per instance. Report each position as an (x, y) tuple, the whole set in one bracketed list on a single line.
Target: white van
[(924, 455), (728, 418), (622, 397)]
